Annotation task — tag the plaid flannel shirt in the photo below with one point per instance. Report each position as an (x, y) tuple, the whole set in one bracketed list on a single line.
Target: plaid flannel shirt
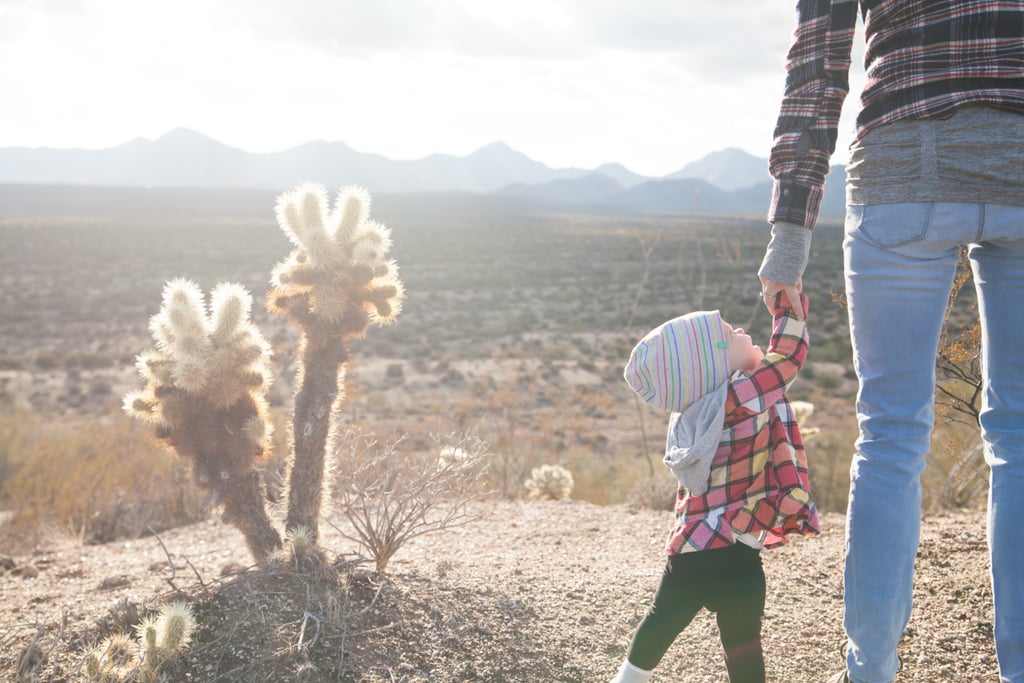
[(758, 485), (924, 59)]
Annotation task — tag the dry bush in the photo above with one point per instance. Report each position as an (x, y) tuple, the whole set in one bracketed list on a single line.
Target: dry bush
[(85, 481), (17, 439), (655, 492), (389, 497), (828, 464)]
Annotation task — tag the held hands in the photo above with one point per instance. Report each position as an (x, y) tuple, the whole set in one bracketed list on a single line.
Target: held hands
[(769, 288)]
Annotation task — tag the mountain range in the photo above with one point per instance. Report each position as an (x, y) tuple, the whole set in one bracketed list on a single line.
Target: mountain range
[(729, 180)]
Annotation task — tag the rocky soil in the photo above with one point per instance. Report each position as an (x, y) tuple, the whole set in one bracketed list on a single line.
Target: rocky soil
[(532, 591)]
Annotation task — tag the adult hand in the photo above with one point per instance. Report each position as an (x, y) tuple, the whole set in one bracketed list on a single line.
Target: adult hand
[(769, 288)]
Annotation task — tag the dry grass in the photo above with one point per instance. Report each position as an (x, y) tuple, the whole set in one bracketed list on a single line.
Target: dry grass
[(96, 482)]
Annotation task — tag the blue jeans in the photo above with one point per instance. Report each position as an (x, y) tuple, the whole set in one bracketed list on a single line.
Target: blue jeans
[(900, 260)]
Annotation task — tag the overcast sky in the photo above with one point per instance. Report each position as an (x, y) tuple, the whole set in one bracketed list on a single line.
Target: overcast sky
[(651, 84)]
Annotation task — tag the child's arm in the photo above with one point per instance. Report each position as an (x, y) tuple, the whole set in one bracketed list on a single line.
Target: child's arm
[(787, 350)]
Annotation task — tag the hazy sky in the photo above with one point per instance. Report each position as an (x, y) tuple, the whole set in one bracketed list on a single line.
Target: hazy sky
[(651, 84)]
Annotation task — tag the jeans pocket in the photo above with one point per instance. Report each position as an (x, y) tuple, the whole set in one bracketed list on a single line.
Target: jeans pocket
[(890, 225)]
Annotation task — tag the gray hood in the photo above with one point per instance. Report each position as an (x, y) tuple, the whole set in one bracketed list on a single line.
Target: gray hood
[(693, 438)]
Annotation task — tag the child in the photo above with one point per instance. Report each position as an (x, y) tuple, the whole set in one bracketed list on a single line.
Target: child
[(735, 448)]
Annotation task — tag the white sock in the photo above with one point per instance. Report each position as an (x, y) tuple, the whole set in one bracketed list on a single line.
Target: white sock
[(631, 674)]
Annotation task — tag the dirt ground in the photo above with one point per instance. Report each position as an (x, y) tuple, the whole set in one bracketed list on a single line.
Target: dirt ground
[(532, 591)]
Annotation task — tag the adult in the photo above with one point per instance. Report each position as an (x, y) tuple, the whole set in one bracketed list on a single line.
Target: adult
[(937, 163)]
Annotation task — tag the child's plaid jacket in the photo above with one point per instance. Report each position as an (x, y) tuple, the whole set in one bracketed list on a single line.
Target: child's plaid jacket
[(758, 493)]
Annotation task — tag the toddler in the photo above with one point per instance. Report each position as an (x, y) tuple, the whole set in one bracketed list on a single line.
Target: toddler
[(736, 450)]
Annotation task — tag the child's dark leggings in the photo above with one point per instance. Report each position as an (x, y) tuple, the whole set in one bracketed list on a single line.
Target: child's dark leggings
[(730, 583)]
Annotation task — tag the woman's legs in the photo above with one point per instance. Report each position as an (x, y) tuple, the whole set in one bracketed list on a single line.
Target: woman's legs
[(900, 261), (998, 263)]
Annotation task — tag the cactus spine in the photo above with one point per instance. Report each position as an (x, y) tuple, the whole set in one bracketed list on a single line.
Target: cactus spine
[(334, 284)]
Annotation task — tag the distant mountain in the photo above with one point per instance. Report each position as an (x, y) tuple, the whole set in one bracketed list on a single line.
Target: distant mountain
[(590, 190), (728, 169), (729, 180), (184, 158), (673, 195)]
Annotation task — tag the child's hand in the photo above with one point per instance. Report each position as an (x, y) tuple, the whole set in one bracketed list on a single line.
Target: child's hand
[(770, 288)]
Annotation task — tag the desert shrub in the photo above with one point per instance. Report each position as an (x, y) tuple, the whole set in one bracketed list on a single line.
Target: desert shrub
[(511, 462), (828, 463), (395, 372), (48, 360), (957, 475), (609, 479), (656, 492), (86, 481), (17, 439), (827, 380), (389, 497)]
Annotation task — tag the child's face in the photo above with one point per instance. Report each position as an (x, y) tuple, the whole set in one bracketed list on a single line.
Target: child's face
[(744, 354)]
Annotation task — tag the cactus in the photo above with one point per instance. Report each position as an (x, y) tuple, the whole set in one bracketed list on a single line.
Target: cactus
[(452, 456), (208, 375), (113, 660), (802, 411), (206, 384), (334, 284), (161, 636), (174, 627), (549, 482)]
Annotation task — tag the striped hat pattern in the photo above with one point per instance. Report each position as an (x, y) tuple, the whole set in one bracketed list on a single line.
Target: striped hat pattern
[(679, 361)]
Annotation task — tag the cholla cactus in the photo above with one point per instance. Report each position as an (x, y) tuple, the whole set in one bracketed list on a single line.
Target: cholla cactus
[(802, 411), (174, 627), (335, 283), (549, 482), (206, 384), (452, 456), (163, 635), (113, 660)]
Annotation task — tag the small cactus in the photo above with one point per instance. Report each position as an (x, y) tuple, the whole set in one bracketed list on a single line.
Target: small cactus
[(334, 284), (453, 456), (146, 634), (162, 635), (802, 411), (549, 482), (206, 384), (174, 627), (113, 660)]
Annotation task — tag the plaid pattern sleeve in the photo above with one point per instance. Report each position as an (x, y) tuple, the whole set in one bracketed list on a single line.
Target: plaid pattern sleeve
[(817, 81), (754, 393), (923, 59), (758, 491)]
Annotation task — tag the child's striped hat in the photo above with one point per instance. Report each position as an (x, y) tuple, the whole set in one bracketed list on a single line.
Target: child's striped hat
[(679, 361)]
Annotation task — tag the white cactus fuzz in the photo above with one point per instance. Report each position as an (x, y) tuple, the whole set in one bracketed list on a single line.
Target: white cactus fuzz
[(549, 482), (221, 357), (162, 635), (340, 261), (175, 626), (114, 659), (802, 411), (452, 457)]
